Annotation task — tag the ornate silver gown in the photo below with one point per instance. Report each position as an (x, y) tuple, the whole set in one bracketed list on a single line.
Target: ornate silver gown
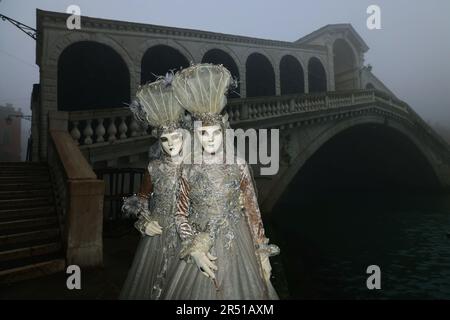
[(154, 255), (220, 199)]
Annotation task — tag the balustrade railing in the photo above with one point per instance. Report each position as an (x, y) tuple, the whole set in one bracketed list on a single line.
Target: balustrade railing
[(267, 107), (110, 125), (104, 126)]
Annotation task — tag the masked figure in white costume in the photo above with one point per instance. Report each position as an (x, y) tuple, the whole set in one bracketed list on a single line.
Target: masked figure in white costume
[(155, 204), (225, 254)]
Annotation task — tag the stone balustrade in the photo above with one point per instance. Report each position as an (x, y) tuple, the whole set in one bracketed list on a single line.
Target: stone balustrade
[(105, 126), (267, 107)]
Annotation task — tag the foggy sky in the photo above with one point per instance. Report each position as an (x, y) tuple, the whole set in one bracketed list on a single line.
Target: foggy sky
[(410, 54)]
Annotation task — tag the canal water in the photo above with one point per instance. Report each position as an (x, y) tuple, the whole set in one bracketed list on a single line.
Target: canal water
[(329, 239)]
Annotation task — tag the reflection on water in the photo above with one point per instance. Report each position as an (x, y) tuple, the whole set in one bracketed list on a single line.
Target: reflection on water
[(329, 241)]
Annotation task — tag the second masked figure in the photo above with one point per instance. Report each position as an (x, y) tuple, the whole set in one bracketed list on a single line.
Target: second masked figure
[(224, 252)]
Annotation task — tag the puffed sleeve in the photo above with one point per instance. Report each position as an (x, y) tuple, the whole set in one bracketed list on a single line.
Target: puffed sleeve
[(253, 214), (184, 229)]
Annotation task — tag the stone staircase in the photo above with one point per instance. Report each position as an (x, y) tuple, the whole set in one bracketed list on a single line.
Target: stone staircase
[(30, 239)]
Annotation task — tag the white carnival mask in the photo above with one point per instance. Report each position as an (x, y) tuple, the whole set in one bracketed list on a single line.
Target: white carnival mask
[(210, 137), (172, 142)]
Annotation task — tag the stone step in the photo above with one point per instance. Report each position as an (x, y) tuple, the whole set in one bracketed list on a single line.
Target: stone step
[(17, 226), (32, 243), (31, 251), (17, 263), (4, 164), (18, 194), (20, 173), (22, 166), (24, 178), (25, 203), (15, 186), (25, 213), (30, 271), (17, 238)]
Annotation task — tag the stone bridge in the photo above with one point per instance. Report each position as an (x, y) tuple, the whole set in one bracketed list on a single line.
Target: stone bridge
[(334, 116), (306, 123), (312, 89)]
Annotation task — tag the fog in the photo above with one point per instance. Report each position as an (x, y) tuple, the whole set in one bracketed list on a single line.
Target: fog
[(409, 54)]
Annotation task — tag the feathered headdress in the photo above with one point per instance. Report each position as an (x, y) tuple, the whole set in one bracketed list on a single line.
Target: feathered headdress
[(156, 105), (201, 89)]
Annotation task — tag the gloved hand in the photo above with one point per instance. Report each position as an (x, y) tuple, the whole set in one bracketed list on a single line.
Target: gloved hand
[(265, 251), (152, 228), (148, 227), (198, 250), (204, 262), (266, 267)]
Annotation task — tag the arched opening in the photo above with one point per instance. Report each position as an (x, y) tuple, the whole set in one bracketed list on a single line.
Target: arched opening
[(260, 76), (218, 56), (366, 197), (92, 75), (317, 78), (370, 86), (159, 60), (292, 79), (345, 70)]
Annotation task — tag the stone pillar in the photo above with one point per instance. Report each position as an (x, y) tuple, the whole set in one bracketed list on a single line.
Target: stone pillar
[(359, 83), (135, 82), (243, 82), (48, 98), (330, 54), (85, 223), (306, 79), (58, 121), (276, 70)]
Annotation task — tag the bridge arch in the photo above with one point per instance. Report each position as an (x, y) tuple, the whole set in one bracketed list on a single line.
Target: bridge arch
[(292, 78), (63, 42), (260, 76), (317, 139), (158, 60), (219, 56), (345, 65), (91, 75), (317, 77)]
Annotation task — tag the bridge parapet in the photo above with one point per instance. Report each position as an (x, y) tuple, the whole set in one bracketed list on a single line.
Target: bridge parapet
[(106, 126), (109, 133), (103, 126), (268, 107)]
